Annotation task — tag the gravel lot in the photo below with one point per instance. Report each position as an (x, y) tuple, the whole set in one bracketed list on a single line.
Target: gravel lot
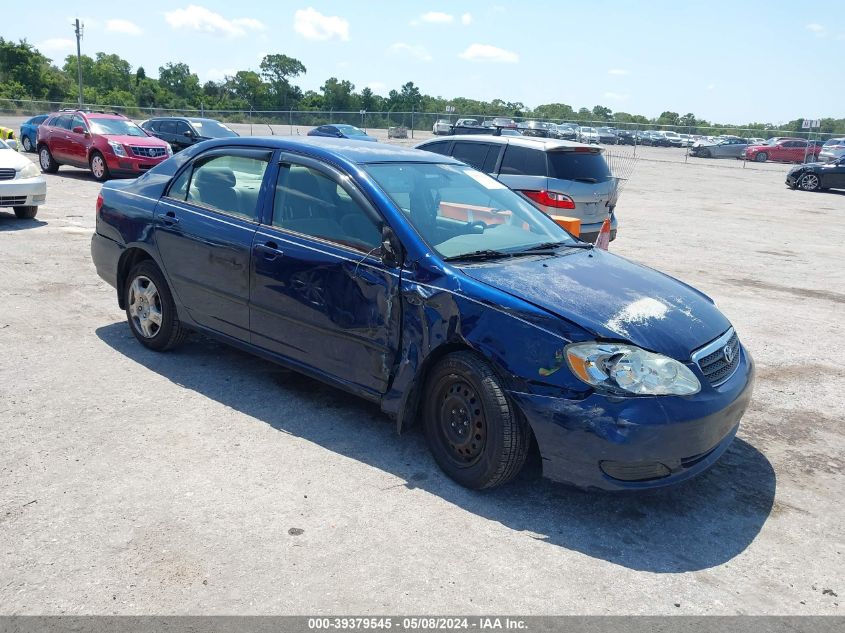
[(208, 481)]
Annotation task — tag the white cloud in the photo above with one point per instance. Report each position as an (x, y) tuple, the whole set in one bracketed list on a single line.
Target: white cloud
[(219, 74), (197, 18), (313, 25), (125, 27), (621, 72), (466, 19), (817, 29), (437, 17), (56, 45), (417, 52), (615, 96), (487, 53)]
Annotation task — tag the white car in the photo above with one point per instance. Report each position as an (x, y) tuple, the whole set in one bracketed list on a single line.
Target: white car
[(442, 126), (21, 184), (588, 135)]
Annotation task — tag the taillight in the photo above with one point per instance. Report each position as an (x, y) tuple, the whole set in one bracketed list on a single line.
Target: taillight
[(550, 199), (99, 202)]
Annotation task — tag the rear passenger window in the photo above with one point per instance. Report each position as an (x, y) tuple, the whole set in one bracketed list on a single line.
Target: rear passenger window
[(309, 202), (471, 153), (523, 161), (492, 158), (230, 184), (441, 147)]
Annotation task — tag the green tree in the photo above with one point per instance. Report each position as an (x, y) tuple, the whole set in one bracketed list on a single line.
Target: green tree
[(279, 70), (179, 80)]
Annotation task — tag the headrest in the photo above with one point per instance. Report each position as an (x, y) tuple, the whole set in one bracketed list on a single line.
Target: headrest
[(215, 176)]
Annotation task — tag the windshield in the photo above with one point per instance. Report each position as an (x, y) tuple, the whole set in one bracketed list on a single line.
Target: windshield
[(115, 127), (460, 211), (351, 130), (212, 129), (834, 142)]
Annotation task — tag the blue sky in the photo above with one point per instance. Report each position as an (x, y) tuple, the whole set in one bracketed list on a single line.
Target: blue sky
[(724, 61)]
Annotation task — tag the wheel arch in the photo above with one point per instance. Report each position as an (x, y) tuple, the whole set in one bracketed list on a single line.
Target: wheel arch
[(130, 258)]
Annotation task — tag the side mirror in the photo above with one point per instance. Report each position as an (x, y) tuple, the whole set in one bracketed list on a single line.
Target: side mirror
[(79, 130), (391, 248), (188, 133), (12, 143), (339, 134)]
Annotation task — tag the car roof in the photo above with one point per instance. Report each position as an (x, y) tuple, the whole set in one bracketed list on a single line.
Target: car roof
[(544, 144), (347, 150)]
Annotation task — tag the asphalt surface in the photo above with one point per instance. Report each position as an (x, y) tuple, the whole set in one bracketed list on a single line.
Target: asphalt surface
[(208, 481)]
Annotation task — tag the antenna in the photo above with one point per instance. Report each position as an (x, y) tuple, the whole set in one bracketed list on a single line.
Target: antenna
[(78, 28)]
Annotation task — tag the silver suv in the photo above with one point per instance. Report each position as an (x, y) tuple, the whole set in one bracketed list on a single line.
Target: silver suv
[(561, 177)]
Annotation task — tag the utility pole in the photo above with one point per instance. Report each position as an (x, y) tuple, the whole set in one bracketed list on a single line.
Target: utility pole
[(78, 30)]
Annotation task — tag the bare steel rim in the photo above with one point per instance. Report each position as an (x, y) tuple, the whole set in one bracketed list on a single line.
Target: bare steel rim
[(98, 166), (44, 158), (461, 423), (810, 182), (145, 306)]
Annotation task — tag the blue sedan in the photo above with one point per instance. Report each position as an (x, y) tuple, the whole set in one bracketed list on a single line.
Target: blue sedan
[(419, 283), (29, 131), (340, 130)]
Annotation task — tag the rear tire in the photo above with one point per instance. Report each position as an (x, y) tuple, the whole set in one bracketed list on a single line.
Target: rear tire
[(46, 160), (27, 144), (99, 168), (150, 308), (26, 213), (474, 432)]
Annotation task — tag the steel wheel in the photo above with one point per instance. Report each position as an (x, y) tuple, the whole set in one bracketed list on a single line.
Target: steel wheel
[(809, 182), (145, 306), (460, 421), (98, 167)]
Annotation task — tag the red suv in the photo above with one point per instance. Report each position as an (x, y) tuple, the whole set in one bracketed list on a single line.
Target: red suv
[(107, 144), (788, 150)]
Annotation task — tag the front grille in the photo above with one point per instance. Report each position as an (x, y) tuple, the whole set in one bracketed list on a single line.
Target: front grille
[(718, 360), (7, 174), (12, 201), (148, 152), (635, 471)]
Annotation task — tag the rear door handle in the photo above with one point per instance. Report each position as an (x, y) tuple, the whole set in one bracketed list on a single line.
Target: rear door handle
[(270, 250), (170, 218)]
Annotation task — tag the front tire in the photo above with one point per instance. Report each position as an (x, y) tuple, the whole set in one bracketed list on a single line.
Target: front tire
[(99, 168), (150, 309), (761, 157), (705, 153), (809, 182), (27, 144), (26, 213), (474, 432), (46, 160)]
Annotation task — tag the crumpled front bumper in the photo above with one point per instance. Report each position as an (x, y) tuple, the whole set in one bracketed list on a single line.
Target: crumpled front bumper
[(639, 442)]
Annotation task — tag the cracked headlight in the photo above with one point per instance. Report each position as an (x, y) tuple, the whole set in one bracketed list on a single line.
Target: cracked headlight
[(117, 148), (29, 171), (626, 369)]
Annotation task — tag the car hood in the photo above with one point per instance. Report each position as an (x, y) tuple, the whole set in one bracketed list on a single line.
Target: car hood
[(137, 141), (611, 297), (10, 159)]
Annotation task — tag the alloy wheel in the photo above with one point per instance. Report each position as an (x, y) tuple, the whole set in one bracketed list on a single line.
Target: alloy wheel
[(98, 166), (145, 306), (809, 182)]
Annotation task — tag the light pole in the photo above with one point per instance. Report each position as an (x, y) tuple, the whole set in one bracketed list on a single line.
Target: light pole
[(79, 26)]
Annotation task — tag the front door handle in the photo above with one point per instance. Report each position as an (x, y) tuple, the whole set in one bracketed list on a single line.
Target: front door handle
[(270, 250)]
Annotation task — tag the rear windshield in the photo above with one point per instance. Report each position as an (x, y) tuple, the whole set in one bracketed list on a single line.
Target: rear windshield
[(212, 129), (581, 166)]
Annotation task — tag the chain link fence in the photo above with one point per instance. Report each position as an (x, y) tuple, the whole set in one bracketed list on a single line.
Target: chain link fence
[(649, 141)]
